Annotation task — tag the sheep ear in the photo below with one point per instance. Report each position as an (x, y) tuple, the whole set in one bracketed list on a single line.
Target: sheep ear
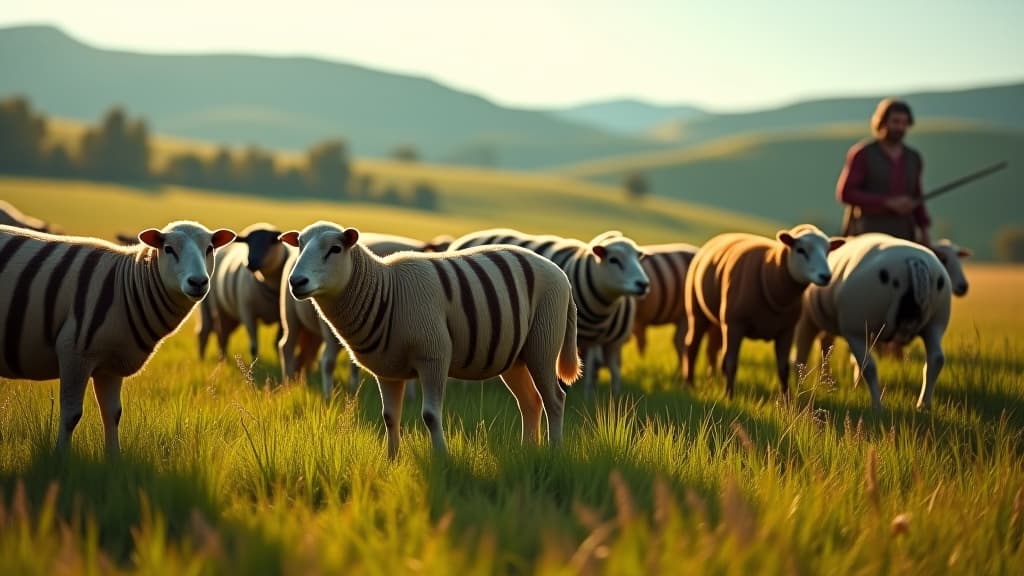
[(785, 237), (964, 252), (290, 238), (152, 237), (835, 242), (350, 236), (600, 251), (222, 237)]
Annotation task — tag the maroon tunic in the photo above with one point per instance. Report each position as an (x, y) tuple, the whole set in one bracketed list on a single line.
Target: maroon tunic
[(871, 176)]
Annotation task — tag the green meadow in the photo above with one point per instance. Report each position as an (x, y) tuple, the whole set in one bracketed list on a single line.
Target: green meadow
[(226, 471)]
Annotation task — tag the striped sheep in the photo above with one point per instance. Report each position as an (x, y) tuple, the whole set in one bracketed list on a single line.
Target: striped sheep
[(666, 266), (885, 289), (245, 288), (473, 314), (302, 327), (748, 286), (76, 308), (605, 275), (11, 216)]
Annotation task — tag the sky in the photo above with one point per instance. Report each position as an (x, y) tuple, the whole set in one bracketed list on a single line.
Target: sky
[(723, 55)]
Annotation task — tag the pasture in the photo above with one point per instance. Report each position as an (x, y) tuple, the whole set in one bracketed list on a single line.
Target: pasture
[(224, 470)]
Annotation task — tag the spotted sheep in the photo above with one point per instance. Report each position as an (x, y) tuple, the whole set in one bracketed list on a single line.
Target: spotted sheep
[(748, 286), (245, 288), (303, 331), (666, 266), (885, 290), (77, 307), (470, 314), (11, 216), (605, 275)]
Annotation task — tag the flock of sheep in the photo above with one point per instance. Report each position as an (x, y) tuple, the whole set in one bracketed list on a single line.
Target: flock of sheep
[(492, 303)]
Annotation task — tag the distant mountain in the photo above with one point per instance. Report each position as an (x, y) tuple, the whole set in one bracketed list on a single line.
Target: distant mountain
[(626, 116), (791, 176), (288, 103), (999, 106)]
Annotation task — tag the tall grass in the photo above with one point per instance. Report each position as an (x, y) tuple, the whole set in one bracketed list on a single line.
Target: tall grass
[(224, 470)]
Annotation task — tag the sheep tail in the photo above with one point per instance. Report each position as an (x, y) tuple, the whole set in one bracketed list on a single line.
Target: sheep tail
[(920, 281), (569, 365)]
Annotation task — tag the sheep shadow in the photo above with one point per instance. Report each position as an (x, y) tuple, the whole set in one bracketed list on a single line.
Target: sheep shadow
[(126, 497)]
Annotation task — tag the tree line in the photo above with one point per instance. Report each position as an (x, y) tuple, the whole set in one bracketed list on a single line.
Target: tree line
[(119, 149)]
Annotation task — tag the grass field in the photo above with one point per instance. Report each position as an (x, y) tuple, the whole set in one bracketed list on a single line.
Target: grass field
[(470, 200), (225, 471)]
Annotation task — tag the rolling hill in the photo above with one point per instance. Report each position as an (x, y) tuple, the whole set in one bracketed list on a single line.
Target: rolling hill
[(627, 116), (791, 176), (288, 103), (998, 106)]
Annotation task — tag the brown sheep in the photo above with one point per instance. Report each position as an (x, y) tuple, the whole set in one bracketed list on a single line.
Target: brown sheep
[(666, 266), (748, 286)]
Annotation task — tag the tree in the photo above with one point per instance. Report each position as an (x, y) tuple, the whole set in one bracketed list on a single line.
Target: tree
[(328, 169), (636, 185), (220, 172), (117, 149), (424, 196), (1009, 244), (255, 171), (22, 133), (59, 162), (186, 169), (406, 153)]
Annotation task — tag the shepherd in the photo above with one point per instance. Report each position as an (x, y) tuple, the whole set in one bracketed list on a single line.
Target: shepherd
[(880, 184)]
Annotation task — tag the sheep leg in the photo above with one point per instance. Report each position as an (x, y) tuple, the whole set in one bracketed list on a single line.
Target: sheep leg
[(679, 341), (934, 360), (732, 337), (107, 388), (74, 376), (804, 336), (551, 394), (640, 332), (714, 348), (354, 376), (859, 350), (249, 321), (613, 360), (783, 344), (696, 327), (519, 382), (391, 397), (205, 327), (224, 328), (328, 361), (433, 376), (590, 369)]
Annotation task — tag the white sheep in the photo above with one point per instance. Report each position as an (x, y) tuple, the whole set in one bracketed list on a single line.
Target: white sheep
[(606, 276), (303, 329), (748, 286), (245, 288), (76, 308), (885, 289), (472, 314)]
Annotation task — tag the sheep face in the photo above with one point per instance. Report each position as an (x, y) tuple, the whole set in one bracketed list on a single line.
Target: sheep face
[(951, 255), (185, 260), (265, 248), (324, 265), (807, 257), (619, 270)]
